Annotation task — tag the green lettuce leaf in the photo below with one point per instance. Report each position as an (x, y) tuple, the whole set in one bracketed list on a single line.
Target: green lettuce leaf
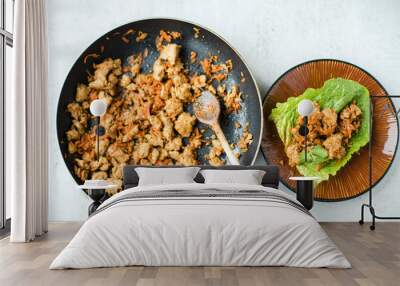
[(315, 154), (336, 93)]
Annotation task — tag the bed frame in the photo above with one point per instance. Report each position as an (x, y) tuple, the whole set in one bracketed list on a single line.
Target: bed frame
[(270, 179)]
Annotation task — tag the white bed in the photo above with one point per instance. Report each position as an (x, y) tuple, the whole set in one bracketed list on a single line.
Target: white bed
[(225, 225)]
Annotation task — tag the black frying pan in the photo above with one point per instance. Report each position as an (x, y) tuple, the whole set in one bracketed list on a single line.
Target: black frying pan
[(112, 45)]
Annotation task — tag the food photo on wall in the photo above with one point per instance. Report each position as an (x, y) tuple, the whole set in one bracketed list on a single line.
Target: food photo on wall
[(199, 142)]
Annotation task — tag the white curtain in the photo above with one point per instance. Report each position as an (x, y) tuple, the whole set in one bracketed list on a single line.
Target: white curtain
[(27, 123)]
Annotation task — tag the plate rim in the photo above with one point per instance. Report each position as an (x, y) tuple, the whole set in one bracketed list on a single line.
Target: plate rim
[(386, 94)]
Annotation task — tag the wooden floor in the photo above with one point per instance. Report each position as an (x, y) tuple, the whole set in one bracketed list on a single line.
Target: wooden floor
[(375, 257)]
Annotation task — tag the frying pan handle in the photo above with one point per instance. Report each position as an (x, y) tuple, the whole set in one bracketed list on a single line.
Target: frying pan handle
[(224, 143)]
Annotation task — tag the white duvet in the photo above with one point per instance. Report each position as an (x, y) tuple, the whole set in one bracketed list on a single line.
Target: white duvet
[(200, 231)]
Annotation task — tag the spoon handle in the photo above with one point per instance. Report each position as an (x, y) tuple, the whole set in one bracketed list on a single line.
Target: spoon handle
[(224, 143)]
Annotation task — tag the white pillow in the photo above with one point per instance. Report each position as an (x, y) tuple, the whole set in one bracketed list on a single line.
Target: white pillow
[(166, 176), (247, 177)]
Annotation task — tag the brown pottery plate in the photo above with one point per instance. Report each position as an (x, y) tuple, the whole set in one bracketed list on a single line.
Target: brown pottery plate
[(352, 179)]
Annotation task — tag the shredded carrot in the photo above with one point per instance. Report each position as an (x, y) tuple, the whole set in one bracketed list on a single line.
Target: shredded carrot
[(165, 37), (141, 36), (93, 55), (193, 56), (130, 31), (206, 65), (216, 68), (125, 40), (196, 32), (219, 76)]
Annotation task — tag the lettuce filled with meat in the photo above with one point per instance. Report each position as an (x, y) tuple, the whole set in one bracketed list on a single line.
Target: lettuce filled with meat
[(338, 127)]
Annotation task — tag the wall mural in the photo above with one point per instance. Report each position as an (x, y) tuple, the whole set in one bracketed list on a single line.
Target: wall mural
[(149, 73)]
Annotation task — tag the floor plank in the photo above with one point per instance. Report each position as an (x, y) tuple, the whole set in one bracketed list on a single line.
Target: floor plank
[(375, 257)]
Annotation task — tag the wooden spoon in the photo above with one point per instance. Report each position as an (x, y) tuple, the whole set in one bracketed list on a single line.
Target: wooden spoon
[(207, 110)]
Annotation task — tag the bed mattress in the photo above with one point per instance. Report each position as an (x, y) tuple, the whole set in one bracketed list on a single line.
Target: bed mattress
[(201, 225)]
